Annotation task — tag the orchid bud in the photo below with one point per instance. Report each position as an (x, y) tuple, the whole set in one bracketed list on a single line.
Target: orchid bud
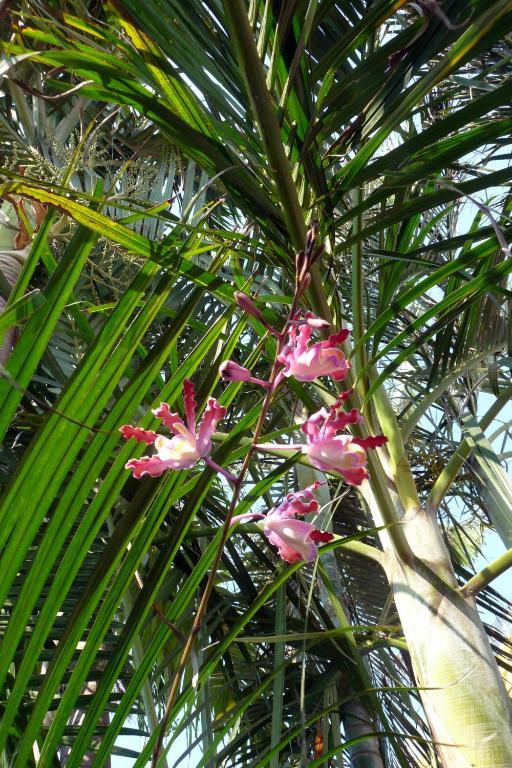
[(230, 371), (317, 252), (311, 236), (305, 282), (317, 322), (312, 321), (300, 261), (247, 305)]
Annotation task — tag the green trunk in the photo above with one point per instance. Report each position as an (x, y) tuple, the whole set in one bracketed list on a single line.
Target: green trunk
[(462, 691)]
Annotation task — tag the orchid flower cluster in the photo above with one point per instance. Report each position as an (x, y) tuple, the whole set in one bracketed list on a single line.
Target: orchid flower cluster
[(327, 446)]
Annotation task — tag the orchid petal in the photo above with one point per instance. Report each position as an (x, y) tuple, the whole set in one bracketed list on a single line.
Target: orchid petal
[(316, 322), (213, 413), (170, 420), (190, 404), (180, 452), (307, 362), (337, 338), (355, 476), (147, 465), (185, 448), (322, 537), (373, 441), (291, 537), (339, 454), (342, 419), (345, 395), (139, 434), (311, 427)]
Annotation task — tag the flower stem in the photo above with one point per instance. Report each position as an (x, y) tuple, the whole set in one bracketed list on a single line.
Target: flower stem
[(224, 472)]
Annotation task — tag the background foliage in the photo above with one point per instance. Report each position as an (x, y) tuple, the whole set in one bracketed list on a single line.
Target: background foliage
[(164, 192)]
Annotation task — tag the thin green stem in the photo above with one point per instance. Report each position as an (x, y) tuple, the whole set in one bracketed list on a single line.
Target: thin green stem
[(400, 467), (454, 465), (224, 472), (487, 574), (358, 325), (388, 512), (384, 643)]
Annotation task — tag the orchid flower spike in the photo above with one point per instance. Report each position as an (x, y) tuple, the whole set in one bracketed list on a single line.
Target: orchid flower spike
[(306, 361), (305, 258), (189, 444), (294, 539)]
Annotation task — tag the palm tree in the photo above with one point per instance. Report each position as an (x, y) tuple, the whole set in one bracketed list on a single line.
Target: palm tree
[(197, 143)]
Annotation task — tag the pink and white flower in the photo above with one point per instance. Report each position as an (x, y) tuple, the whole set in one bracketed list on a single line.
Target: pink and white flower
[(306, 361), (189, 444), (332, 452), (327, 450), (294, 539)]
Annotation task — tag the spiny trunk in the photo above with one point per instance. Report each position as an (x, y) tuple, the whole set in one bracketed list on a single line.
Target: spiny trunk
[(357, 724), (462, 690)]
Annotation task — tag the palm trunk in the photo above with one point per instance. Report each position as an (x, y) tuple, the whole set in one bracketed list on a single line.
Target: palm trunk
[(465, 700), (460, 685)]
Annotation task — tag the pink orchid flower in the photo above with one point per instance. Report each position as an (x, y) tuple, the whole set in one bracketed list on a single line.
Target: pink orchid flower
[(327, 450), (331, 452), (189, 444), (307, 361), (294, 539)]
